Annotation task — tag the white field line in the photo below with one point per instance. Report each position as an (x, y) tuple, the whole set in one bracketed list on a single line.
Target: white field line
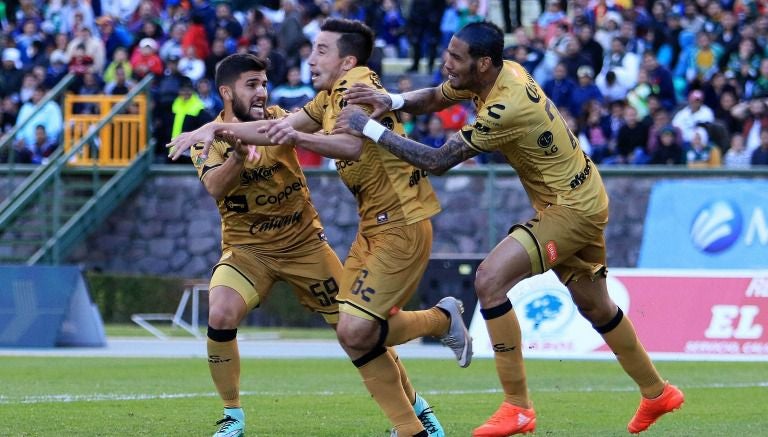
[(102, 397)]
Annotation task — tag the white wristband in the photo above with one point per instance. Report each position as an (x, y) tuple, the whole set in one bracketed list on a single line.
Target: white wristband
[(373, 130), (397, 101)]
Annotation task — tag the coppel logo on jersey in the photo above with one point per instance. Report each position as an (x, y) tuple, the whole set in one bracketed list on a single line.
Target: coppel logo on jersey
[(716, 226)]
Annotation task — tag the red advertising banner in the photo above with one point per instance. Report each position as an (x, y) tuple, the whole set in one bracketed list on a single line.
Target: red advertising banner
[(678, 314)]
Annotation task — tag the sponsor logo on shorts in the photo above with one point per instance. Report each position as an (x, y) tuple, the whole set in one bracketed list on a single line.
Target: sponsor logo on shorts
[(276, 222), (262, 173), (382, 217), (277, 199), (551, 249)]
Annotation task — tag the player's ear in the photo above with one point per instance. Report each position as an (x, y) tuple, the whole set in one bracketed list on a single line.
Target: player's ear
[(485, 64), (226, 92)]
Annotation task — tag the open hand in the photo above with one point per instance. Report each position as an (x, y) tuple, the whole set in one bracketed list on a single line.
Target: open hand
[(184, 141), (361, 94), (243, 151)]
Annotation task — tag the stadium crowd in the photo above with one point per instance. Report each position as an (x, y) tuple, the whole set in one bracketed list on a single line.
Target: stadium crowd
[(644, 82)]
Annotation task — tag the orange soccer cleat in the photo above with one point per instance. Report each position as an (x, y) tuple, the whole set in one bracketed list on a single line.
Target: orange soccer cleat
[(651, 409), (507, 420)]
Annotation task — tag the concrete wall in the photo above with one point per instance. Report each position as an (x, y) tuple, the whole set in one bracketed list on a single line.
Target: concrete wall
[(171, 226)]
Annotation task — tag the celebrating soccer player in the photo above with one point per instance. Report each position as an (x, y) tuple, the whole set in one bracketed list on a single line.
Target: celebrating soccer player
[(566, 234), (392, 248)]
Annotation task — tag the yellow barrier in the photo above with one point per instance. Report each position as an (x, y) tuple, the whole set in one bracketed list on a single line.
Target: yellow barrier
[(119, 142)]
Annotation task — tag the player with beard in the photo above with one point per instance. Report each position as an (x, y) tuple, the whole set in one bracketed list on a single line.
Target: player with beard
[(392, 247), (567, 234)]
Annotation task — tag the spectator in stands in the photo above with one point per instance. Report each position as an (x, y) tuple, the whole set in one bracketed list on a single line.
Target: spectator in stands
[(593, 122), (30, 33), (49, 116), (556, 49), (549, 21), (120, 83), (151, 29), (632, 140), (760, 154), (701, 62), (724, 112), (172, 45), (293, 94), (113, 35), (80, 62), (660, 79), (625, 65), (211, 99), (289, 35), (11, 74), (76, 15), (745, 61), (188, 110), (524, 52), (574, 57), (122, 10), (423, 26), (391, 29), (348, 9), (218, 52), (57, 69), (612, 90), (225, 19), (191, 66), (92, 48), (277, 68), (120, 59), (436, 134), (196, 36), (560, 88), (692, 115), (701, 153), (669, 151), (591, 48), (145, 60), (43, 146), (585, 91), (755, 121), (29, 84), (90, 85), (737, 156), (146, 11), (760, 85), (9, 111), (608, 29)]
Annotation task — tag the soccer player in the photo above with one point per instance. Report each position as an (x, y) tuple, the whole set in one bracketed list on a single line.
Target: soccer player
[(566, 234), (391, 250), (270, 231)]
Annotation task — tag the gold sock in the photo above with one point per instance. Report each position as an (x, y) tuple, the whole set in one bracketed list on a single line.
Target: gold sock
[(633, 358), (224, 364), (410, 392), (407, 325), (504, 332), (382, 379)]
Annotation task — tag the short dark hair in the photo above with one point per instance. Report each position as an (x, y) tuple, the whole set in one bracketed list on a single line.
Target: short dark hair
[(356, 38), (484, 39), (230, 68)]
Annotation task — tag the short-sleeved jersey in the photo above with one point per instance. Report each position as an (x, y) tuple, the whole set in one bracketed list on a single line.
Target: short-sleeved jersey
[(389, 191), (518, 120), (270, 207)]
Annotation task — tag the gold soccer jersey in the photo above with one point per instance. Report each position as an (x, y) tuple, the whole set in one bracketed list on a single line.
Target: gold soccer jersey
[(519, 121), (389, 191), (270, 206)]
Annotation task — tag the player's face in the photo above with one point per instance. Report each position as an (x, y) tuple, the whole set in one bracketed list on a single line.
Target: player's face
[(250, 96), (325, 64), (459, 65)]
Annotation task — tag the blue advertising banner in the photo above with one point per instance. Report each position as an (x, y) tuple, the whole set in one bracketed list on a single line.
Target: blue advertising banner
[(707, 225), (45, 306)]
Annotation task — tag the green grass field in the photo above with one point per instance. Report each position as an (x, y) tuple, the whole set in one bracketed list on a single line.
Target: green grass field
[(175, 397)]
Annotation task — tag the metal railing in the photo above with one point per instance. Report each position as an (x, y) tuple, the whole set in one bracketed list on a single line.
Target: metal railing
[(118, 142)]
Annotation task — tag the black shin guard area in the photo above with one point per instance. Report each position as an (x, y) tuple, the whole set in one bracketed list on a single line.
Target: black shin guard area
[(222, 335), (608, 327), (497, 311)]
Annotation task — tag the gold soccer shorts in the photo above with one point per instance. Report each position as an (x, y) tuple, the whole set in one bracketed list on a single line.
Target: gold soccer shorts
[(382, 271), (567, 241), (313, 273)]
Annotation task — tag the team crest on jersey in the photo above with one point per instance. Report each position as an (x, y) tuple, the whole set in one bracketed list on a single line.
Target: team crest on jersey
[(545, 139), (382, 217), (388, 123)]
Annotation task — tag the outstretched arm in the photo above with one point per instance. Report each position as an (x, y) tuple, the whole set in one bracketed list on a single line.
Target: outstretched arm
[(421, 101), (336, 146), (435, 161)]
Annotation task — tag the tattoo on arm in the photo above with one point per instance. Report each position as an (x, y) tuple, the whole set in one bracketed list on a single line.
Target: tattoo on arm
[(435, 161)]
